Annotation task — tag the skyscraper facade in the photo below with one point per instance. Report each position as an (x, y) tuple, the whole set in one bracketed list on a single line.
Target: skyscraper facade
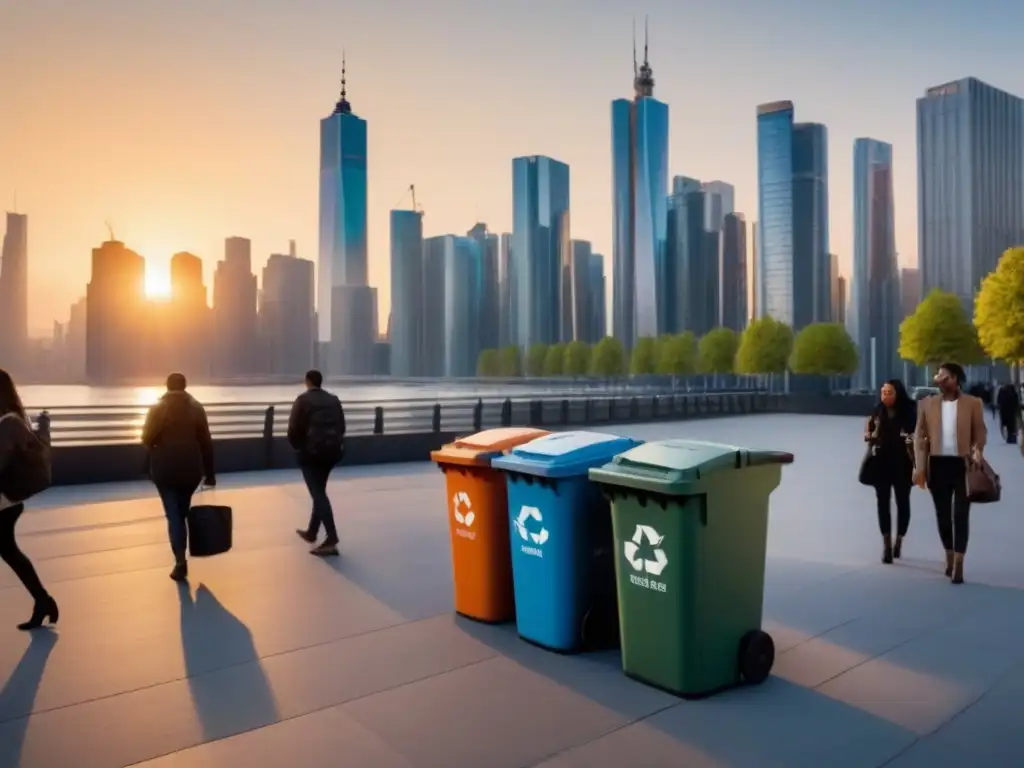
[(452, 289), (343, 295), (639, 186), (875, 312), (970, 183), (812, 283), (587, 292), (540, 248), (235, 324), (116, 325), (720, 202), (910, 291), (187, 321), (489, 323), (506, 291), (775, 211), (407, 294), (287, 321), (14, 292), (691, 262), (733, 273), (597, 293)]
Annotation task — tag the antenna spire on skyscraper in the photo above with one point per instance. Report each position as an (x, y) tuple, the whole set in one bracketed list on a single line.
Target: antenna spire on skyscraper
[(645, 40), (635, 74), (643, 79), (343, 107)]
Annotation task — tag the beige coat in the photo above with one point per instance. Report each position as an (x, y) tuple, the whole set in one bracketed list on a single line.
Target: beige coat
[(971, 432)]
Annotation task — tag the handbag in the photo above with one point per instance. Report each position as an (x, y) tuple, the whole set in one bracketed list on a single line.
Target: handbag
[(983, 484), (210, 529), (869, 467)]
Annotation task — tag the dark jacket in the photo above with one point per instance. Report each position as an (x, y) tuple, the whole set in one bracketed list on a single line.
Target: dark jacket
[(891, 431), (313, 406), (177, 436), (1009, 404)]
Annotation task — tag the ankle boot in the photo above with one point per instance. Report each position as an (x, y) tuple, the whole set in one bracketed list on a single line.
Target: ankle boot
[(45, 608), (958, 568), (897, 548), (949, 562), (180, 570), (887, 549)]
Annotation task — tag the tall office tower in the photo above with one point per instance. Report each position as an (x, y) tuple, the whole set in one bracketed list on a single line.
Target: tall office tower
[(343, 296), (582, 289), (910, 291), (74, 343), (841, 313), (720, 198), (116, 327), (14, 293), (235, 351), (970, 183), (875, 311), (287, 332), (490, 277), (598, 294), (452, 291), (540, 248), (506, 291), (406, 325), (733, 273), (792, 245), (756, 300), (187, 320), (834, 282), (691, 264), (641, 296)]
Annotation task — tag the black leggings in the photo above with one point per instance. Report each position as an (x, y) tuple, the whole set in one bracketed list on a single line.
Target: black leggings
[(14, 557), (947, 480), (884, 492)]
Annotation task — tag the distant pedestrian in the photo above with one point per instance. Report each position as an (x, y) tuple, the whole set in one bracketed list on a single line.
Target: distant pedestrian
[(1008, 403), (177, 436), (24, 471), (316, 430)]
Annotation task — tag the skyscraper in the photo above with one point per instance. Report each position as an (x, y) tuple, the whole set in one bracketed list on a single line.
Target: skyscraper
[(756, 299), (597, 294), (506, 292), (640, 303), (116, 324), (406, 327), (584, 322), (540, 248), (733, 273), (970, 183), (452, 291), (344, 299), (910, 291), (719, 198), (490, 280), (834, 277), (691, 263), (874, 312), (234, 312), (185, 321), (14, 292), (812, 261), (287, 324)]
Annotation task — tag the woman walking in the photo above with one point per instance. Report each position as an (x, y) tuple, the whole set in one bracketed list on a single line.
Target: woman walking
[(890, 433), (20, 453)]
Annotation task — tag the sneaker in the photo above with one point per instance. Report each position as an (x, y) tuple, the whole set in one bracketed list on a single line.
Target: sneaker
[(325, 550)]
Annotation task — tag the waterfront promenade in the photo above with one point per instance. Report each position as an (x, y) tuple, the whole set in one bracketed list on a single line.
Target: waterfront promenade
[(274, 658)]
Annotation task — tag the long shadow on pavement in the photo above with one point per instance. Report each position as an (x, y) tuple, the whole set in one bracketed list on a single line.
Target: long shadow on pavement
[(19, 692)]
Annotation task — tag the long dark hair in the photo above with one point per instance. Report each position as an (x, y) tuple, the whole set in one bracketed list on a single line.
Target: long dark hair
[(904, 408), (9, 400)]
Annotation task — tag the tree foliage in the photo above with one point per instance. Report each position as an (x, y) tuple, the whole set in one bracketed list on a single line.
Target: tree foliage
[(577, 359), (716, 352), (677, 355), (999, 309), (939, 331), (535, 358), (825, 349), (764, 347), (608, 358), (645, 356), (488, 364), (554, 360), (510, 362)]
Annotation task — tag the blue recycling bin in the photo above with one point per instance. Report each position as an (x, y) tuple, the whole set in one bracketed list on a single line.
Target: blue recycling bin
[(563, 564)]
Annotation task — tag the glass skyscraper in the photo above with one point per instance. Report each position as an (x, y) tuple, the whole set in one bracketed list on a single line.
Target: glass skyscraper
[(874, 311), (540, 249), (812, 261), (970, 183), (732, 271), (453, 290), (640, 302), (343, 294), (406, 330)]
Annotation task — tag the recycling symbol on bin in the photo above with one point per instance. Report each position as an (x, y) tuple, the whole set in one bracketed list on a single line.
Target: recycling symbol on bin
[(654, 539), (528, 513), (463, 508)]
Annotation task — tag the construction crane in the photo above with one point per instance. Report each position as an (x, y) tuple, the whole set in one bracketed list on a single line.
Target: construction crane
[(415, 205)]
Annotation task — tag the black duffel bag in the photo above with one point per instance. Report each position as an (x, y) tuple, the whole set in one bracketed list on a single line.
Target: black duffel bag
[(209, 530)]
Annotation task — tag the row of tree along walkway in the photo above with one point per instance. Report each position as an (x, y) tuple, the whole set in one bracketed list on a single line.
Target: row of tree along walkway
[(766, 346)]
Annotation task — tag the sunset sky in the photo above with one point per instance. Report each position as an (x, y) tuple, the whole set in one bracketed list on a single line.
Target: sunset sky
[(186, 122)]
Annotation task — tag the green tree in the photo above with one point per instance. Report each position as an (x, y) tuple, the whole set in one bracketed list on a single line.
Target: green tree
[(488, 363), (717, 351), (939, 331), (825, 349), (608, 358), (999, 309), (645, 356), (577, 359), (677, 355), (510, 362), (764, 347), (554, 360), (535, 358)]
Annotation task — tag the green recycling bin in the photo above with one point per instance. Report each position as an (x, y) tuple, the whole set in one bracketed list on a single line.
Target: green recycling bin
[(690, 521)]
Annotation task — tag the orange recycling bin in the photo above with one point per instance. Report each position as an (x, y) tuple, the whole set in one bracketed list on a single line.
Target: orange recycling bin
[(478, 519)]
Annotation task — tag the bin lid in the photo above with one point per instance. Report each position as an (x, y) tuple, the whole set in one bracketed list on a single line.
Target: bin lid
[(665, 465), (564, 454), (480, 448)]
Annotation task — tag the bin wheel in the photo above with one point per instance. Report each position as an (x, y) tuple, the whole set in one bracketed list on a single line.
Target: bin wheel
[(756, 657)]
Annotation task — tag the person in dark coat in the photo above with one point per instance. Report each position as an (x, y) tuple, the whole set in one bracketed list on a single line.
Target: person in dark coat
[(177, 437), (1008, 403), (890, 432)]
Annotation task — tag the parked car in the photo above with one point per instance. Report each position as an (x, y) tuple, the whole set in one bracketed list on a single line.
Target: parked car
[(920, 393)]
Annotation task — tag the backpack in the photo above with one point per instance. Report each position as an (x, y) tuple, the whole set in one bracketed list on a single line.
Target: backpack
[(323, 435), (28, 472)]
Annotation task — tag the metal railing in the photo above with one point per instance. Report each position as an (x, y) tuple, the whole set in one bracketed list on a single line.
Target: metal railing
[(98, 425)]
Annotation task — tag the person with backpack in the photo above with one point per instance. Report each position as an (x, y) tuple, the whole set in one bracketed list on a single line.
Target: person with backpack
[(316, 431), (24, 472), (177, 437)]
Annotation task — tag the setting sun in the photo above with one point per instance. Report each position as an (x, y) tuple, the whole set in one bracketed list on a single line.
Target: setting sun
[(158, 283)]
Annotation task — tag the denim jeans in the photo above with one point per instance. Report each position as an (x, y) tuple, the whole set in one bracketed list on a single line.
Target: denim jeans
[(177, 502), (316, 476)]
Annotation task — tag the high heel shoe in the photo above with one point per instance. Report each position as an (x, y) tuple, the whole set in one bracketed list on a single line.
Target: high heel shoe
[(958, 569), (887, 550), (44, 609), (949, 563), (897, 548)]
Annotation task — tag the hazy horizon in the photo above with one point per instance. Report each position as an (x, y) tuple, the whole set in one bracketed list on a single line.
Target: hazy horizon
[(187, 124)]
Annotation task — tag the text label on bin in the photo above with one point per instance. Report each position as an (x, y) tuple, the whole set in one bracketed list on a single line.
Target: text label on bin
[(652, 565)]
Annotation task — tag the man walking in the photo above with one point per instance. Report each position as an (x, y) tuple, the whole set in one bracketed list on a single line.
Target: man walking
[(316, 430)]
